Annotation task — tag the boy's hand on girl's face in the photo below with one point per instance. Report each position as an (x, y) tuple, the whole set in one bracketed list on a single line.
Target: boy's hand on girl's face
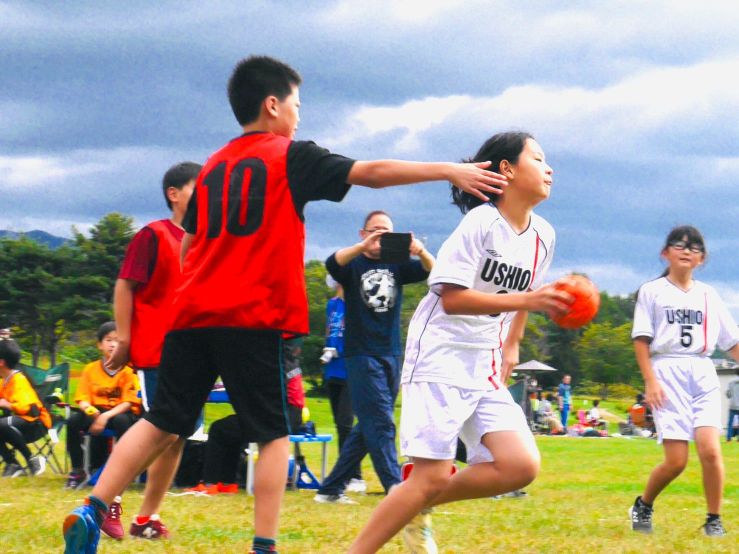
[(475, 179)]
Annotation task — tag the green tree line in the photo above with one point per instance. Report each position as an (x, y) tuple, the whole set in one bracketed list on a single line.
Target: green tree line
[(54, 299)]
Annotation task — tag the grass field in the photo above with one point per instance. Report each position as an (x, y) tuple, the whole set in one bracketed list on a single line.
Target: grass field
[(578, 504)]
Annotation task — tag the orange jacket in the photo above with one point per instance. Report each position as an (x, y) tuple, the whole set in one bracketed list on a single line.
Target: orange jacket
[(17, 390), (106, 391)]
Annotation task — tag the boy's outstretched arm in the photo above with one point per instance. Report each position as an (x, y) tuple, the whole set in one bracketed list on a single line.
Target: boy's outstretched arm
[(472, 178)]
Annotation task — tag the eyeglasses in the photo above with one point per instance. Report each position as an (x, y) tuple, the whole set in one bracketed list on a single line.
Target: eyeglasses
[(694, 247)]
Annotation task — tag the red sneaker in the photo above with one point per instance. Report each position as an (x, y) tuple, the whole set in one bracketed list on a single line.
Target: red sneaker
[(227, 488), (203, 489), (152, 529), (112, 523)]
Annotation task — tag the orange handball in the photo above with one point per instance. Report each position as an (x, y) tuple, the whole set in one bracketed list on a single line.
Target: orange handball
[(586, 303)]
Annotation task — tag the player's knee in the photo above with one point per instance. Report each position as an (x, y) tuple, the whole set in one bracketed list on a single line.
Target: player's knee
[(435, 485), (528, 469), (675, 466), (710, 458)]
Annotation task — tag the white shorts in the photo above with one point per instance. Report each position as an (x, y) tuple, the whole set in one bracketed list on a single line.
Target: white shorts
[(692, 397), (434, 415)]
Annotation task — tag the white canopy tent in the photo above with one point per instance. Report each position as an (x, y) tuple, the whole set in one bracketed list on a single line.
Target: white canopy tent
[(533, 365)]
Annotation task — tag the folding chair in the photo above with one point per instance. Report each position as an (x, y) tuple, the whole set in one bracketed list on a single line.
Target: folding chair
[(48, 384)]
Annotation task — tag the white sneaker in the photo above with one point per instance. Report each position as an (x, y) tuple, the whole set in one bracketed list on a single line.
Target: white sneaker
[(333, 499), (37, 465), (356, 485), (418, 536)]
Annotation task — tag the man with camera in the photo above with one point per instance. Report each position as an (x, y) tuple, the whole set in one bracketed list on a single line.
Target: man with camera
[(373, 273)]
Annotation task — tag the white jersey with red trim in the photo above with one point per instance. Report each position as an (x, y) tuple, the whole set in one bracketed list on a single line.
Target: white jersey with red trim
[(683, 323), (483, 253)]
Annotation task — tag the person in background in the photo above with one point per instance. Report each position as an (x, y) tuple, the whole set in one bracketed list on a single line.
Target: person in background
[(732, 393), (564, 397), (27, 421), (334, 377), (546, 415), (374, 296), (678, 322)]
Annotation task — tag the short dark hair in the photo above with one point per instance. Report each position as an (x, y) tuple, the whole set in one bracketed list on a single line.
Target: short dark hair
[(10, 352), (178, 176), (499, 147), (373, 214), (254, 79), (104, 329), (596, 403)]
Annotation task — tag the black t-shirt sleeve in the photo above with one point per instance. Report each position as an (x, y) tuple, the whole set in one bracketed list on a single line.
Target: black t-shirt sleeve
[(190, 221), (314, 173), (413, 272), (338, 272)]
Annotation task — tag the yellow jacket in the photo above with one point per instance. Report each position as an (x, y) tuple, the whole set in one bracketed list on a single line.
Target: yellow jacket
[(106, 391), (17, 390)]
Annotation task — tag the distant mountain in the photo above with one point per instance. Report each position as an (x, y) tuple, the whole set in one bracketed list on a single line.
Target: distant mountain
[(42, 237)]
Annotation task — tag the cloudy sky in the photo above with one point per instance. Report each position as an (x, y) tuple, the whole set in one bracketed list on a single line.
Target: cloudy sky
[(634, 103)]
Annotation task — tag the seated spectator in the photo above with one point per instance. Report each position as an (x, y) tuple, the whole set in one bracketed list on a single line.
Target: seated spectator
[(25, 419), (640, 415), (227, 440), (546, 415), (105, 399), (593, 418)]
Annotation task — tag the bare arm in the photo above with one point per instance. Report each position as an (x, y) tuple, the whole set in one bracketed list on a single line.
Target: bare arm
[(653, 392), (102, 418), (184, 247), (469, 177), (462, 301), (123, 313), (512, 344)]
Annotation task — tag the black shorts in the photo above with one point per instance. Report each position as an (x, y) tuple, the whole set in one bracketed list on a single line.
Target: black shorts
[(248, 361)]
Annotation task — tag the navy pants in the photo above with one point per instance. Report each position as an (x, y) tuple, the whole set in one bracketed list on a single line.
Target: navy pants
[(564, 413), (373, 386), (730, 431)]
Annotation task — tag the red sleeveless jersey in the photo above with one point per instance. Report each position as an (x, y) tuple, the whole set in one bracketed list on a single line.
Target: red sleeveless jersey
[(244, 267), (152, 302)]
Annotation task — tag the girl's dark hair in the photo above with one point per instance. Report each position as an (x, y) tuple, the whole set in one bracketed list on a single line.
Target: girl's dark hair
[(683, 232), (104, 329), (503, 146)]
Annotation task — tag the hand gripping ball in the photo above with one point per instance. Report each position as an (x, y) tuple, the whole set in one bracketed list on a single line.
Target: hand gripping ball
[(586, 303)]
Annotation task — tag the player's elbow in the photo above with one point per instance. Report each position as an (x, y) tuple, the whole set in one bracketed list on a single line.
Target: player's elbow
[(368, 174)]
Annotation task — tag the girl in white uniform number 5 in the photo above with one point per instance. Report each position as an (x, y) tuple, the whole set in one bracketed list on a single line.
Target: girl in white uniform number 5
[(678, 322)]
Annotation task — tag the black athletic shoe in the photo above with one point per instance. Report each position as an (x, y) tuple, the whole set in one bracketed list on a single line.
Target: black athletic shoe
[(13, 470), (714, 528), (641, 517)]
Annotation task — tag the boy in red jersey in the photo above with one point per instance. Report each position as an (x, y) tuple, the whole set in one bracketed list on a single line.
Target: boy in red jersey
[(243, 286), (149, 276)]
